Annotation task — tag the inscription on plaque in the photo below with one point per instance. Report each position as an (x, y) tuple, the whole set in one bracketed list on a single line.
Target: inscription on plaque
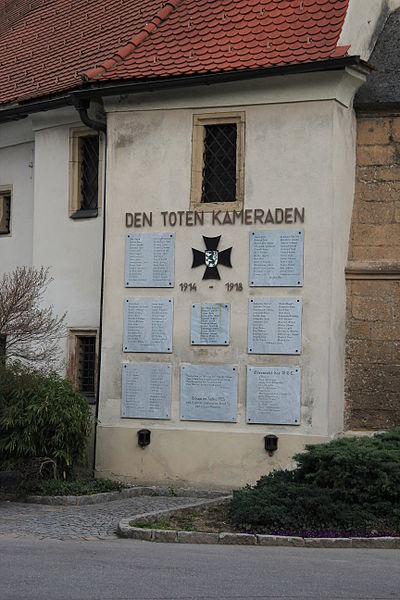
[(276, 258), (273, 395), (210, 324), (146, 391), (208, 393), (149, 260), (274, 326), (148, 325)]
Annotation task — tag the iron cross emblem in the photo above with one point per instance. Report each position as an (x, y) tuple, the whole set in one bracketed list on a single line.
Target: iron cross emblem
[(211, 258)]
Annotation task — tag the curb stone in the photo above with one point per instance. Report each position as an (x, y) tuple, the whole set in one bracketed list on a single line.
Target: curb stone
[(197, 537), (164, 535), (126, 530), (328, 542), (123, 495), (242, 539), (277, 540)]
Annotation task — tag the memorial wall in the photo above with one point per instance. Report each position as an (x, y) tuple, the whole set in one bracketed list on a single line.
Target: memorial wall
[(222, 326), (209, 392)]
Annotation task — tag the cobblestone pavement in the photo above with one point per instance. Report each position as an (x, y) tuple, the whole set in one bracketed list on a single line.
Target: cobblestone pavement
[(94, 521)]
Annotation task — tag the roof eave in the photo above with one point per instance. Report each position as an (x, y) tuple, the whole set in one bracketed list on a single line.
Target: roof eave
[(111, 88), (108, 88)]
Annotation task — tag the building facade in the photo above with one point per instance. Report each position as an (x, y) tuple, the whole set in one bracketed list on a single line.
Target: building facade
[(195, 203)]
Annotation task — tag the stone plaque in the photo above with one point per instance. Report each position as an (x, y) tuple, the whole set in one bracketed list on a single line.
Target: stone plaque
[(148, 325), (149, 260), (273, 395), (208, 393), (276, 258), (146, 391), (274, 326), (209, 325)]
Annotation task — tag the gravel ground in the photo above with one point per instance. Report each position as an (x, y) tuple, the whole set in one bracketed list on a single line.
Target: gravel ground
[(95, 521)]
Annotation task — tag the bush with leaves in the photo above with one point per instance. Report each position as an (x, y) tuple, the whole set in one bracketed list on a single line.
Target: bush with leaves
[(42, 416), (347, 485)]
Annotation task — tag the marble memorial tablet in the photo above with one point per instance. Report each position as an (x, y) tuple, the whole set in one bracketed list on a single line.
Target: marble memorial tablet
[(209, 325), (276, 258), (149, 260), (208, 393), (148, 325), (146, 391), (273, 395), (274, 326)]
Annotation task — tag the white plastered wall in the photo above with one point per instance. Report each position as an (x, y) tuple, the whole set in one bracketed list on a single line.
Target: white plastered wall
[(71, 248), (34, 160), (17, 172), (364, 21), (300, 147)]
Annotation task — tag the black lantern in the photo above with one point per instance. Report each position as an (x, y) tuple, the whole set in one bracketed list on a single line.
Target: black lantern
[(143, 437), (271, 443)]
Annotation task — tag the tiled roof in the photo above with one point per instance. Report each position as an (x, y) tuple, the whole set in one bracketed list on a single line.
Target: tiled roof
[(47, 45)]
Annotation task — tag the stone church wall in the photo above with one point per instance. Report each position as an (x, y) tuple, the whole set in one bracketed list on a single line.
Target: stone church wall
[(373, 279)]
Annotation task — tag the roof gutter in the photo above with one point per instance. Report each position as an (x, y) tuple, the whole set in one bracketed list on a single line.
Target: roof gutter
[(163, 83), (99, 89), (83, 106)]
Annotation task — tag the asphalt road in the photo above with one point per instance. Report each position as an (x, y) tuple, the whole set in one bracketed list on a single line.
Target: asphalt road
[(112, 569)]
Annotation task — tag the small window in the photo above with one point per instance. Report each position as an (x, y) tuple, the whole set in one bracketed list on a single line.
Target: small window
[(85, 173), (218, 162), (5, 212), (83, 362), (3, 348)]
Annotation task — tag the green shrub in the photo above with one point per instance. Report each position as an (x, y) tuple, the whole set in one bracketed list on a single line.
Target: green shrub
[(351, 484), (42, 415)]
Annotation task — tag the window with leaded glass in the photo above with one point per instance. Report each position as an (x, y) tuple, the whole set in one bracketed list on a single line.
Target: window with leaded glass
[(218, 161), (82, 368), (3, 348), (5, 212), (85, 173), (86, 365)]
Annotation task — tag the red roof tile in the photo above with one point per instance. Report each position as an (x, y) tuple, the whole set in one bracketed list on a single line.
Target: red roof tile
[(47, 45)]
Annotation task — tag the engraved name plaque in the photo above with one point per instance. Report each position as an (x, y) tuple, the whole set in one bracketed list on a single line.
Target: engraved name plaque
[(276, 258), (146, 391), (148, 325), (209, 324), (208, 393), (273, 395), (274, 326), (149, 260)]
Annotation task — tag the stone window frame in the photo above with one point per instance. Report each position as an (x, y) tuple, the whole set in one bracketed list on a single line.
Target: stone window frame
[(75, 165), (72, 366), (7, 190), (199, 123)]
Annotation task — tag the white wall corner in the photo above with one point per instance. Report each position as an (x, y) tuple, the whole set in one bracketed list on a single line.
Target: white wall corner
[(352, 79), (363, 24)]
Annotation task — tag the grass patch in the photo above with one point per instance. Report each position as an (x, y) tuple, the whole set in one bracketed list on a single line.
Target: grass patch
[(205, 519), (80, 487), (216, 519)]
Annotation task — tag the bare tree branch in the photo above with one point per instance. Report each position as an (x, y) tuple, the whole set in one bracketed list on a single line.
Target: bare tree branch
[(31, 331)]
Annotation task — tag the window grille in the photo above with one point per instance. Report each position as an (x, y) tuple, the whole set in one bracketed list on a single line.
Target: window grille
[(86, 365), (89, 172), (5, 212), (3, 348), (219, 163), (85, 173)]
